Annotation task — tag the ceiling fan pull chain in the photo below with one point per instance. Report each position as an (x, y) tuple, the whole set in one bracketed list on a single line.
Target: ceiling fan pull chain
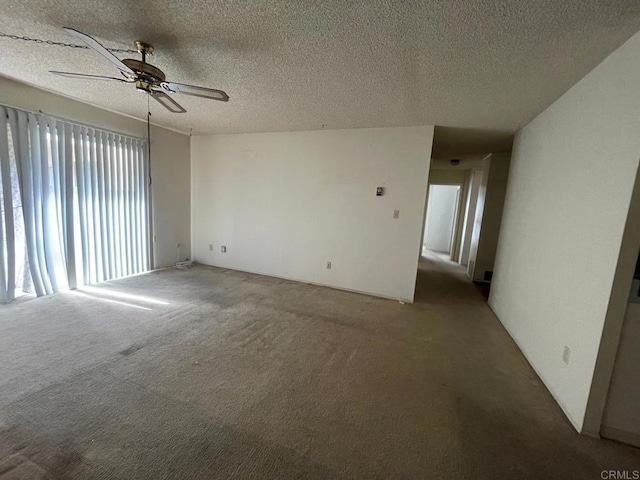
[(58, 44)]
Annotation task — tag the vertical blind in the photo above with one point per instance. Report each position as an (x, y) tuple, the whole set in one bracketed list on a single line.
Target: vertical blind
[(113, 197), (75, 204)]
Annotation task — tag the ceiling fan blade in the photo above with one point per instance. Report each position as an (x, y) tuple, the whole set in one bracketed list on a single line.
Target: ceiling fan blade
[(195, 91), (88, 77), (95, 45), (167, 102)]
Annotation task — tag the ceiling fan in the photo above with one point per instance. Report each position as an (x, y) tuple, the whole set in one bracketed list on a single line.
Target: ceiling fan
[(145, 76)]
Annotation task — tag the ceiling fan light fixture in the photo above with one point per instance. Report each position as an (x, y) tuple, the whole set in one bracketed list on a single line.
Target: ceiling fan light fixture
[(143, 86)]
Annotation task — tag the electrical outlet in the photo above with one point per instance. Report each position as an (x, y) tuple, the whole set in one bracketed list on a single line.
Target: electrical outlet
[(211, 247), (396, 214), (328, 265), (223, 249), (566, 355)]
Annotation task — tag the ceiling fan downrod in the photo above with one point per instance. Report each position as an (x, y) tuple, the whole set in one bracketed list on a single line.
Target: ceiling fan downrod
[(144, 49)]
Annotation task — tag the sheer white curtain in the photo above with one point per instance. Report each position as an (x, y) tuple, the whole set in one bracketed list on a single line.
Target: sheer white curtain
[(7, 221), (74, 204), (28, 154)]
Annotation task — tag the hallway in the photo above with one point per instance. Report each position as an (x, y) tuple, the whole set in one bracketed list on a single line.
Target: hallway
[(442, 281), (502, 399), (211, 373)]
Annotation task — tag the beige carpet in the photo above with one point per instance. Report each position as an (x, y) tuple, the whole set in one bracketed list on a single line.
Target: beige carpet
[(207, 373)]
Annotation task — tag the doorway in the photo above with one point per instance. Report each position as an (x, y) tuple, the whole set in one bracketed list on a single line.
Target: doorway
[(441, 218)]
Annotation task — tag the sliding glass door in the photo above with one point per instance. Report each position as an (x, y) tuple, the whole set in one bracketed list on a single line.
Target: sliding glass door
[(75, 205)]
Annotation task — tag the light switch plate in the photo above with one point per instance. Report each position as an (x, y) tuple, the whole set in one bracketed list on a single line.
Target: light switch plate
[(566, 354)]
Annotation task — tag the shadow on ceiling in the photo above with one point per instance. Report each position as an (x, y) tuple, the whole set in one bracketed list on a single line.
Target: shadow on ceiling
[(450, 142)]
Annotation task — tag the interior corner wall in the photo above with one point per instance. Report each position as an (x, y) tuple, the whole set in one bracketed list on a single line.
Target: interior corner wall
[(285, 204), (572, 175), (171, 196), (170, 156)]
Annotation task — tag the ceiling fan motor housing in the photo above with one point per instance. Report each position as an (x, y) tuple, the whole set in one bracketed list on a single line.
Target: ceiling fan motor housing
[(147, 74)]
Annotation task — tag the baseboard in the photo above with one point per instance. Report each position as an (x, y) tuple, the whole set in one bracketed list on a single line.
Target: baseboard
[(360, 292), (620, 435)]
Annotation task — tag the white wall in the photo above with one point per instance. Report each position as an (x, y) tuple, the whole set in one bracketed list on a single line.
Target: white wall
[(171, 183), (441, 214), (572, 174), (284, 204), (169, 154)]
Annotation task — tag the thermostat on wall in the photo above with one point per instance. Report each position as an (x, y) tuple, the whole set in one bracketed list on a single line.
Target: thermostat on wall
[(379, 191)]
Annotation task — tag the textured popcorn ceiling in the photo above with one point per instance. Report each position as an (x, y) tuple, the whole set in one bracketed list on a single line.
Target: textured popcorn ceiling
[(476, 67)]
